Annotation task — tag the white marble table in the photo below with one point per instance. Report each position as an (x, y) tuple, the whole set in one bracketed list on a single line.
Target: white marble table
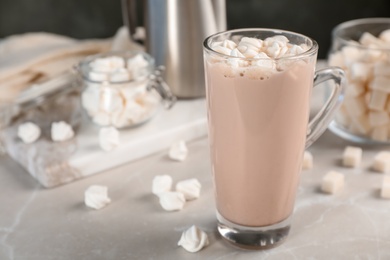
[(48, 224)]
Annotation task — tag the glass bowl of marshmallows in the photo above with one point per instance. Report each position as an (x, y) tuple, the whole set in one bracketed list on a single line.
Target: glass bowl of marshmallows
[(122, 89), (362, 48)]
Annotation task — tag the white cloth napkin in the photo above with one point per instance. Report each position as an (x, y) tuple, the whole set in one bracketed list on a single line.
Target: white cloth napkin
[(35, 57)]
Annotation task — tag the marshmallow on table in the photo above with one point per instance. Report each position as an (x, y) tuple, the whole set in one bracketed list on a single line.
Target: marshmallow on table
[(352, 156), (385, 190), (108, 138), (332, 182), (29, 132), (307, 163), (193, 239), (161, 183), (172, 200), (178, 151), (96, 197), (382, 162), (190, 188), (61, 131)]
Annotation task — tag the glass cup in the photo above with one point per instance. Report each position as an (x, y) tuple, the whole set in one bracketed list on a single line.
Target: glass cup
[(360, 49), (258, 128)]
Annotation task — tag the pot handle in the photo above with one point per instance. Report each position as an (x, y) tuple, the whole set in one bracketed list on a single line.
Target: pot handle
[(158, 84)]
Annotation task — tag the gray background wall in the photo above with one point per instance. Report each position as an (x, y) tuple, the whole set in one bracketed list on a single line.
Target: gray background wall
[(101, 18)]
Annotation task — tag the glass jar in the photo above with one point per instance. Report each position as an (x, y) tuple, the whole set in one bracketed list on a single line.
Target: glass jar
[(362, 48), (122, 89)]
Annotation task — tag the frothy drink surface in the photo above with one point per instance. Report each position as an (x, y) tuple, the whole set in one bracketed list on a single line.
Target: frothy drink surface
[(257, 128)]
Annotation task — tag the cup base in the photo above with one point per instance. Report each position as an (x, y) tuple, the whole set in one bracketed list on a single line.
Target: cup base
[(253, 238)]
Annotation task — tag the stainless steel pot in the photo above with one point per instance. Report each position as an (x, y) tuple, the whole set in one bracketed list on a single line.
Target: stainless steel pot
[(175, 30)]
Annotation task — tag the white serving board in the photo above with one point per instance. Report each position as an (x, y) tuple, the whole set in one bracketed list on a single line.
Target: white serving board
[(187, 120)]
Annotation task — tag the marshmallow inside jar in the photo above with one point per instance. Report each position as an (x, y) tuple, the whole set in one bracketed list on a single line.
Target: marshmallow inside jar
[(362, 49), (117, 88)]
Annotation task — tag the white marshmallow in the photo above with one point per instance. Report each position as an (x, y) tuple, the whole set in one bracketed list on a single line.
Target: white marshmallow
[(332, 182), (378, 118), (352, 156), (117, 62), (372, 54), (385, 36), (101, 65), (178, 151), (247, 52), (138, 66), (193, 239), (110, 100), (61, 131), (161, 183), (134, 111), (380, 83), (337, 59), (108, 138), (172, 200), (229, 44), (355, 105), (360, 71), (274, 50), (96, 197), (351, 54), (382, 69), (120, 75), (378, 100), (382, 162), (97, 76), (29, 132), (380, 133), (307, 163), (190, 188), (254, 42), (295, 50), (385, 189), (222, 50), (367, 39), (354, 89), (361, 123), (263, 61), (236, 53), (90, 99), (119, 119), (138, 61)]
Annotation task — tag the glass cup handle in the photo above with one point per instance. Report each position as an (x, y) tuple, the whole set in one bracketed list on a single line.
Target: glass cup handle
[(322, 119)]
